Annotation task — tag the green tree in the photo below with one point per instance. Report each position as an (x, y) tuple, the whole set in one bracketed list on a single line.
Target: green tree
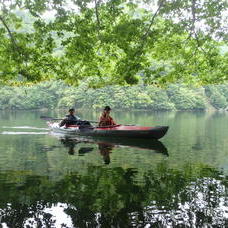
[(185, 99), (114, 42)]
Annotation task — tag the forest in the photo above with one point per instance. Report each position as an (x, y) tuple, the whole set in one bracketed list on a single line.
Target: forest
[(58, 95)]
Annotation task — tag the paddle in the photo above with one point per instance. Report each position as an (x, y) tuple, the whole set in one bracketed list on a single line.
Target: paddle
[(52, 118)]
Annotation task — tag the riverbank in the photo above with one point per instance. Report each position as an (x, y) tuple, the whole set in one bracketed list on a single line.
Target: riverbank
[(57, 95)]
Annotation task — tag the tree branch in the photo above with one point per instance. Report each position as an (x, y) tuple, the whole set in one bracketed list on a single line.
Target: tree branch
[(9, 32), (14, 43), (145, 35), (193, 7), (199, 45), (97, 2)]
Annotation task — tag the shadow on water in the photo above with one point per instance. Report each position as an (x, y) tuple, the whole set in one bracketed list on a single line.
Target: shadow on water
[(105, 146)]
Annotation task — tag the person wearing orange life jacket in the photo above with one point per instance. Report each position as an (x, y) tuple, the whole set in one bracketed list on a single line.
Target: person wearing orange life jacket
[(105, 118)]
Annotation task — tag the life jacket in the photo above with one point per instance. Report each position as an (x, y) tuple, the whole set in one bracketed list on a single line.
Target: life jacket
[(106, 120)]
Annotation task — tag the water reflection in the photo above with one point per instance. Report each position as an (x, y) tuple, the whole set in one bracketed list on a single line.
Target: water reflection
[(85, 150), (105, 146), (105, 150), (70, 144), (51, 182), (194, 196)]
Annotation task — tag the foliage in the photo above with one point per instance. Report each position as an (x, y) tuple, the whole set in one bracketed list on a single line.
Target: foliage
[(218, 101), (218, 96), (56, 94), (106, 42), (185, 99)]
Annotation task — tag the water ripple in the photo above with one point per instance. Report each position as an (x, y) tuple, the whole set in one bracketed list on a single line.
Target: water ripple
[(23, 133), (27, 127)]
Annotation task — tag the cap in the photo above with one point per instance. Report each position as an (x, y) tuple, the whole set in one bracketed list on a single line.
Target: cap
[(107, 108)]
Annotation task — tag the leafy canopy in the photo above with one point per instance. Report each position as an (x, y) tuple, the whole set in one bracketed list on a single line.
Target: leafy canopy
[(106, 42)]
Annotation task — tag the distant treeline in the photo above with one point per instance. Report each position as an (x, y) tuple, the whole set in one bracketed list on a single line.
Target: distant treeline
[(56, 94)]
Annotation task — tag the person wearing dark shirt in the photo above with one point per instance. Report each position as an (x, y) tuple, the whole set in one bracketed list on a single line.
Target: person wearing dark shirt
[(70, 119)]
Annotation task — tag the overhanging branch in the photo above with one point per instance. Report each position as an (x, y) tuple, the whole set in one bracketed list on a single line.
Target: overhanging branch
[(13, 41), (145, 35), (97, 2)]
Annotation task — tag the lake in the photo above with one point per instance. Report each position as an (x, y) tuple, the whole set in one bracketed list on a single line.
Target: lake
[(49, 180)]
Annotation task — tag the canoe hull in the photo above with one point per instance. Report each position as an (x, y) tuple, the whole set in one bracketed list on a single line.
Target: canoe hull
[(118, 131)]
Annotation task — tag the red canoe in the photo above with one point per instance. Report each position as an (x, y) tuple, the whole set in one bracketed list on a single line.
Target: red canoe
[(113, 131)]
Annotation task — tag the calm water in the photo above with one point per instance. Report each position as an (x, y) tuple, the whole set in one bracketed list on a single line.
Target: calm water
[(50, 180)]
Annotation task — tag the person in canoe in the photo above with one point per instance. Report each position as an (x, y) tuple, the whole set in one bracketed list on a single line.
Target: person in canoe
[(70, 119), (105, 118)]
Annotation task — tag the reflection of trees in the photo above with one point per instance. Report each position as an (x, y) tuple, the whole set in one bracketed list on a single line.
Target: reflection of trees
[(23, 202), (191, 196), (16, 215)]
